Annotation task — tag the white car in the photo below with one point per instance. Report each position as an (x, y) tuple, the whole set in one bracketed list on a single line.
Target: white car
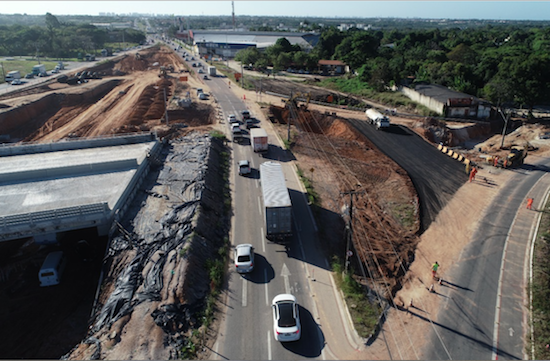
[(232, 119), (244, 167), (16, 82), (244, 258), (286, 318)]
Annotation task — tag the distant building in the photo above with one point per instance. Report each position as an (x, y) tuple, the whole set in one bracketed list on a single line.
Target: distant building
[(447, 102), (333, 67), (227, 43)]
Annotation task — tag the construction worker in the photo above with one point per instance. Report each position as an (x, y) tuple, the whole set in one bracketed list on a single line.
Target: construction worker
[(495, 161), (529, 203), (505, 164), (473, 173), (435, 266)]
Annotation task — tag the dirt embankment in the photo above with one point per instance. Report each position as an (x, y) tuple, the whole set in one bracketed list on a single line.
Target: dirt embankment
[(131, 97), (337, 159)]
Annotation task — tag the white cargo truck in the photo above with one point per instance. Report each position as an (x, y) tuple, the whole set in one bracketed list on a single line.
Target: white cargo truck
[(276, 198), (13, 75), (376, 118), (212, 70), (39, 70), (258, 138)]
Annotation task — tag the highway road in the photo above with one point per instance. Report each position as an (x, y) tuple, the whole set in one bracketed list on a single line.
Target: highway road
[(484, 312), (247, 330)]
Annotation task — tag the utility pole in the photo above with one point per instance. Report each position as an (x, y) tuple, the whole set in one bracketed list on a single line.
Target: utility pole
[(242, 76), (349, 228), (165, 107), (506, 118), (291, 115)]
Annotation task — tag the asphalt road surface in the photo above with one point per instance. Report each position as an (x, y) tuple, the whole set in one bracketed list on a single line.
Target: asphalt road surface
[(435, 176), (247, 330), (484, 311)]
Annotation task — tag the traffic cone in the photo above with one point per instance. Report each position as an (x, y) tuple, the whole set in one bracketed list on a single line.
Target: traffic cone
[(411, 303)]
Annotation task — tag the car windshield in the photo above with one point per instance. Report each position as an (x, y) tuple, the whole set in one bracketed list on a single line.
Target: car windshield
[(245, 258), (286, 316)]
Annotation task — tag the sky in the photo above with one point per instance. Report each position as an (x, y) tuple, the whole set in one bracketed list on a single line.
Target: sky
[(489, 10)]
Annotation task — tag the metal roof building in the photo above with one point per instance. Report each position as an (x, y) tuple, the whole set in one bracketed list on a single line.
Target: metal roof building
[(227, 43), (50, 188)]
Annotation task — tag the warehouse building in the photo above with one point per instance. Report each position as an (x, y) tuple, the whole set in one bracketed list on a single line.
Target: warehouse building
[(447, 102), (226, 44)]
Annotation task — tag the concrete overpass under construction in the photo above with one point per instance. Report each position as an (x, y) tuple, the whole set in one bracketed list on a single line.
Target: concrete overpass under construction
[(46, 189)]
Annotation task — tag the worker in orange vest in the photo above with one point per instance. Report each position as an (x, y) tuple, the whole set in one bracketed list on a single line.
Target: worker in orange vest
[(473, 173), (529, 203)]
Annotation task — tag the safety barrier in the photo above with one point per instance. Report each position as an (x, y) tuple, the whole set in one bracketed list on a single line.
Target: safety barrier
[(451, 153)]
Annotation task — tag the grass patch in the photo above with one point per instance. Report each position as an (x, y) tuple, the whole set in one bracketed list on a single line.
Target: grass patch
[(218, 135), (404, 213), (363, 313), (312, 196), (541, 291)]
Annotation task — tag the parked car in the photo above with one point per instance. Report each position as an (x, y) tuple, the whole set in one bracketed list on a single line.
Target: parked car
[(194, 65), (203, 96), (244, 167), (286, 318), (199, 90), (244, 258), (55, 71)]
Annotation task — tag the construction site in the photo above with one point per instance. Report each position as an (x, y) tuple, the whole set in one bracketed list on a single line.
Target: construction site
[(152, 91)]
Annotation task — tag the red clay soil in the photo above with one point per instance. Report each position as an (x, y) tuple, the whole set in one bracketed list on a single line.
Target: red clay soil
[(337, 159), (129, 98)]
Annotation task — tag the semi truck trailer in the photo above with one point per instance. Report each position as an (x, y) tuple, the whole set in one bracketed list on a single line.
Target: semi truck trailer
[(277, 205)]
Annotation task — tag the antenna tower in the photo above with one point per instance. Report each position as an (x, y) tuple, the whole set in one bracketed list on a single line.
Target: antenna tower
[(233, 13)]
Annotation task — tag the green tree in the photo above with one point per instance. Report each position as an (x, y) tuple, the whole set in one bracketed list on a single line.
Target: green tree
[(462, 53), (247, 56), (52, 24)]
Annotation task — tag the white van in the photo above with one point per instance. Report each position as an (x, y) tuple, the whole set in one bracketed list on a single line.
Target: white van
[(52, 268)]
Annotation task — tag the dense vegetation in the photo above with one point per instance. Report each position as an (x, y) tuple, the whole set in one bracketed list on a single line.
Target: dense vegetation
[(55, 39), (504, 64)]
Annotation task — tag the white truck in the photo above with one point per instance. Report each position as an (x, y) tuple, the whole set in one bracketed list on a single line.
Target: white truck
[(212, 70), (13, 75), (258, 139), (277, 204), (376, 118), (39, 70)]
